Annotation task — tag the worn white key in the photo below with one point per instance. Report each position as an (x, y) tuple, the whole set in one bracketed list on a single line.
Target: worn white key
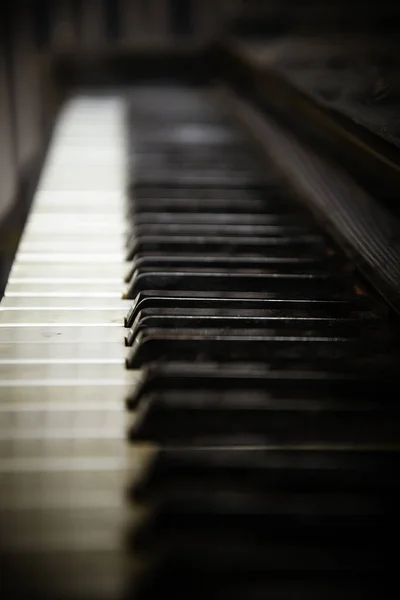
[(65, 463), (23, 270), (60, 301), (63, 332), (112, 370), (104, 392), (79, 352), (61, 287), (32, 316)]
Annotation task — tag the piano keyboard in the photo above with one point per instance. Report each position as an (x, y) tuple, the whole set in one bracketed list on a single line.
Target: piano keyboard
[(64, 462), (196, 390)]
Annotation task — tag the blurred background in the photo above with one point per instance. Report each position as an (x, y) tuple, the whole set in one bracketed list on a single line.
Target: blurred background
[(41, 39)]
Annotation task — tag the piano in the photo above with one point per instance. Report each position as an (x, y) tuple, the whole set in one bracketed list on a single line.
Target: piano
[(199, 359)]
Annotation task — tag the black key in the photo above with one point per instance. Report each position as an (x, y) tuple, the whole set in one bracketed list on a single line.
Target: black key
[(216, 229), (165, 570), (181, 178), (187, 218), (204, 415), (247, 301), (187, 134), (245, 377), (285, 470), (302, 312), (240, 346), (191, 157), (194, 162), (269, 527), (203, 263), (201, 555), (187, 202), (202, 319), (296, 285), (254, 246)]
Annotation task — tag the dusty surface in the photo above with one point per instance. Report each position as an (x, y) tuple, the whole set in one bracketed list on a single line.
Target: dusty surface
[(357, 75)]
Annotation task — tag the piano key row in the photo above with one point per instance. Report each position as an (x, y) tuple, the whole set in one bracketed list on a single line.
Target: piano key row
[(262, 376), (196, 507), (64, 464)]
